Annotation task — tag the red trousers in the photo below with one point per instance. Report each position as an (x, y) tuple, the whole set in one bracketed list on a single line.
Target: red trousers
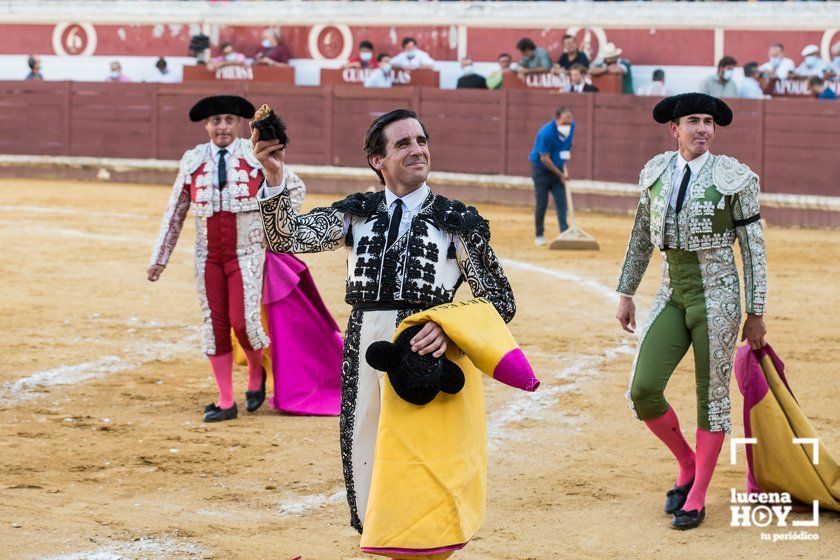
[(223, 282)]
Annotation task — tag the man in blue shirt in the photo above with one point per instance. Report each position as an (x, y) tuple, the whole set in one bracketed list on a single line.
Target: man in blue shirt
[(820, 89), (548, 168)]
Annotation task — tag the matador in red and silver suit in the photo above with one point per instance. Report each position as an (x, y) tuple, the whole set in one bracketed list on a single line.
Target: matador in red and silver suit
[(219, 180)]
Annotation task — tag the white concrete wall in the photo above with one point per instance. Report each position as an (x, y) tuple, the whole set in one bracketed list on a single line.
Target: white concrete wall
[(627, 15)]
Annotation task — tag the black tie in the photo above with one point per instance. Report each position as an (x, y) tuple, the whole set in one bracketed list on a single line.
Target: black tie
[(683, 187), (222, 169), (394, 227)]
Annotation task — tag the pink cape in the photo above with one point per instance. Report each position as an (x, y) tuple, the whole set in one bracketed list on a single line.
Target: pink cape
[(306, 345)]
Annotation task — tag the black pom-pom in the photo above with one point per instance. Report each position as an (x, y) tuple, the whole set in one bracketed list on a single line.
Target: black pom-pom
[(270, 126), (383, 355), (452, 380)]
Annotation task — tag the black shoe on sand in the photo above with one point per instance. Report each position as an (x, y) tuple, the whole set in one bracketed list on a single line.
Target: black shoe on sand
[(676, 497), (255, 399), (688, 519), (213, 413)]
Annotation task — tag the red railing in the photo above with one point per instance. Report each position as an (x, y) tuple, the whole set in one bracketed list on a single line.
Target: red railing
[(791, 143)]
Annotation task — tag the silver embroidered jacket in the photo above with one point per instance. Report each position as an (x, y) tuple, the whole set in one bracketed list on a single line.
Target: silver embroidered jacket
[(721, 205)]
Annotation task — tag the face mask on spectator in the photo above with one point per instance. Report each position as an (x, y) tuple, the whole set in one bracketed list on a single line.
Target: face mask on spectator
[(727, 75), (469, 69), (410, 56), (115, 74), (564, 129), (230, 57), (386, 67), (811, 60), (366, 55), (266, 43), (775, 61)]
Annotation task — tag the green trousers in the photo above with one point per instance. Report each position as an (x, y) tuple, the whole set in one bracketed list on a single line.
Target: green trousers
[(679, 320)]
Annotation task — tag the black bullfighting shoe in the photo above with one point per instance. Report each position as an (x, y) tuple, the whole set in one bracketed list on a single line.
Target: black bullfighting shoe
[(676, 496), (213, 413), (688, 519), (254, 399)]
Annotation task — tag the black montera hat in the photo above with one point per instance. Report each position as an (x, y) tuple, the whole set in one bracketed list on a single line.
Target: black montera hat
[(221, 105), (684, 104)]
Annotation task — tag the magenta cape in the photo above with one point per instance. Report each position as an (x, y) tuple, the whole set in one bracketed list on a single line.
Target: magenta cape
[(306, 345)]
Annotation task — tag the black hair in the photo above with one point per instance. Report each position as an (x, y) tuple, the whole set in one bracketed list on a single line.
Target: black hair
[(727, 61), (366, 45), (504, 54), (561, 110), (750, 69), (32, 62), (223, 45), (160, 64), (579, 67), (381, 55), (815, 81), (525, 44), (659, 75), (567, 36), (408, 40), (375, 141)]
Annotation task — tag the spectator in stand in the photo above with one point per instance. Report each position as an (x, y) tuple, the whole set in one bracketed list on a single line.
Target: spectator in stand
[(381, 77), (535, 60), (412, 58), (506, 66), (162, 73), (571, 55), (271, 52), (34, 63), (820, 89), (751, 88), (577, 80), (721, 84), (778, 65), (655, 88), (835, 62), (612, 63), (365, 57), (470, 80), (228, 57), (116, 73), (812, 64)]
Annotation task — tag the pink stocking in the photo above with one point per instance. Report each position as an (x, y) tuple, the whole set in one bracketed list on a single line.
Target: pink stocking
[(223, 371), (254, 358), (667, 428), (708, 449)]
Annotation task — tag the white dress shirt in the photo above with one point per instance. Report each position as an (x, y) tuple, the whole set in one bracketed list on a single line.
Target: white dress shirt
[(214, 153), (412, 203), (679, 168), (379, 79), (654, 89), (413, 60), (810, 68), (780, 71)]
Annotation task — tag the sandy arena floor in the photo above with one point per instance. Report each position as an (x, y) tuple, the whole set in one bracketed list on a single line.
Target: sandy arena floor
[(104, 455)]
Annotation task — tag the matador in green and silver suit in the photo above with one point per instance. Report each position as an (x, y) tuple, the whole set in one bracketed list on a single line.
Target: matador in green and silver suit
[(693, 209)]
